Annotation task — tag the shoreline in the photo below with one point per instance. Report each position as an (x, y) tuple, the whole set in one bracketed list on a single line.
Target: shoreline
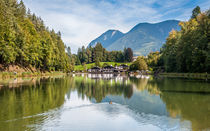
[(198, 76), (4, 75)]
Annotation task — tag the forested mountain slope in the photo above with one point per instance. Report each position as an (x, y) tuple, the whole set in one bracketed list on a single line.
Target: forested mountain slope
[(143, 38)]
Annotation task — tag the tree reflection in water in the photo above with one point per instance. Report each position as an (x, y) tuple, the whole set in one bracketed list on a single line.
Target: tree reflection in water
[(185, 99), (98, 86), (30, 99)]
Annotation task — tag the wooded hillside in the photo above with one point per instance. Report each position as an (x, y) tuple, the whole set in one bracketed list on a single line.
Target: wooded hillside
[(26, 41)]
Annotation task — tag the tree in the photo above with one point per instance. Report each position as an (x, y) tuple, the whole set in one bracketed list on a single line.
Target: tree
[(153, 59), (25, 40), (169, 51), (77, 61), (139, 64), (89, 54), (128, 55), (188, 50), (196, 11), (21, 10), (84, 55), (69, 51), (98, 52), (97, 62)]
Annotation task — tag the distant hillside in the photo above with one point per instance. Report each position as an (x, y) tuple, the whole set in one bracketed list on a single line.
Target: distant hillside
[(107, 38), (143, 38)]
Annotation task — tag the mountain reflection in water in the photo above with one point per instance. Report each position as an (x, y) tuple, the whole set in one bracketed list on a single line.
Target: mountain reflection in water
[(39, 103)]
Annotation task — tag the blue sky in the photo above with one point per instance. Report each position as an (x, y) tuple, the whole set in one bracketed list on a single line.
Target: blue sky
[(81, 21)]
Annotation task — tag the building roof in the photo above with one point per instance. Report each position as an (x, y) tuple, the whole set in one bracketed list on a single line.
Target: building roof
[(96, 68), (123, 65), (108, 67)]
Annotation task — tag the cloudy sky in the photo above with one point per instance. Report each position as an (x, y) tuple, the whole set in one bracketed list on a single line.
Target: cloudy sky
[(81, 21)]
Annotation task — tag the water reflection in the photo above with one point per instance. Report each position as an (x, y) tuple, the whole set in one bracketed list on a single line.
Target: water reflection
[(187, 99), (28, 100), (31, 103), (98, 89)]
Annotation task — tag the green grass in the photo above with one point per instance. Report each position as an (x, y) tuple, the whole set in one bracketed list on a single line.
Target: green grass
[(88, 66)]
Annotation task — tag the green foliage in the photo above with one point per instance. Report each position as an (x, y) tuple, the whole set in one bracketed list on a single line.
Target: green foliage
[(90, 55), (84, 67), (139, 64), (196, 11), (98, 53), (82, 55), (97, 63), (90, 65), (153, 59), (128, 54), (105, 64), (188, 50), (25, 40), (69, 51), (144, 37)]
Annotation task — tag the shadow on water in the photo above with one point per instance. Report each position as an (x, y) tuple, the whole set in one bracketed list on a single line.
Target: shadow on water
[(22, 99)]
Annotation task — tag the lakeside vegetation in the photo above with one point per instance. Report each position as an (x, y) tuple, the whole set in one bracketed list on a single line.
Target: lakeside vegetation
[(101, 64), (26, 41), (187, 50), (200, 76), (89, 57), (44, 86), (5, 75), (99, 54)]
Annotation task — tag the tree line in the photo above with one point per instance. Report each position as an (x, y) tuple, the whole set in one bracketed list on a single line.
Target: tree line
[(26, 41), (100, 54), (186, 51)]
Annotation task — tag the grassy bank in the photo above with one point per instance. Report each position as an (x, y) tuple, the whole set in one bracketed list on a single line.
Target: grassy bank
[(88, 66), (28, 74), (203, 76)]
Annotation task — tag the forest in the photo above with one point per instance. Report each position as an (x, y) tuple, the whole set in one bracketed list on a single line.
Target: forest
[(100, 54), (26, 41), (187, 50)]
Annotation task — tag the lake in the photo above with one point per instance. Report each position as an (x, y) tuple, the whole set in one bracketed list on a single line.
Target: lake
[(104, 103)]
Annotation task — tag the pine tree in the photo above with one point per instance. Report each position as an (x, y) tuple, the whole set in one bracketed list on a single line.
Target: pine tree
[(196, 11)]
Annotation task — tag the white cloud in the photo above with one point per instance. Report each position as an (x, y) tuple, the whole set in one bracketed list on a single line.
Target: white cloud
[(81, 21)]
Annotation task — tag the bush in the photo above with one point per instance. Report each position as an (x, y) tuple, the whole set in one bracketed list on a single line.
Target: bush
[(105, 64), (139, 64), (97, 63)]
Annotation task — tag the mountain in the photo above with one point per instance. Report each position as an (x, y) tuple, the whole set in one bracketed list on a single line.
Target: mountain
[(107, 38), (143, 38)]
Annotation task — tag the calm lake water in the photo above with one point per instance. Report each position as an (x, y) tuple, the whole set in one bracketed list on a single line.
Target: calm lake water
[(81, 102)]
